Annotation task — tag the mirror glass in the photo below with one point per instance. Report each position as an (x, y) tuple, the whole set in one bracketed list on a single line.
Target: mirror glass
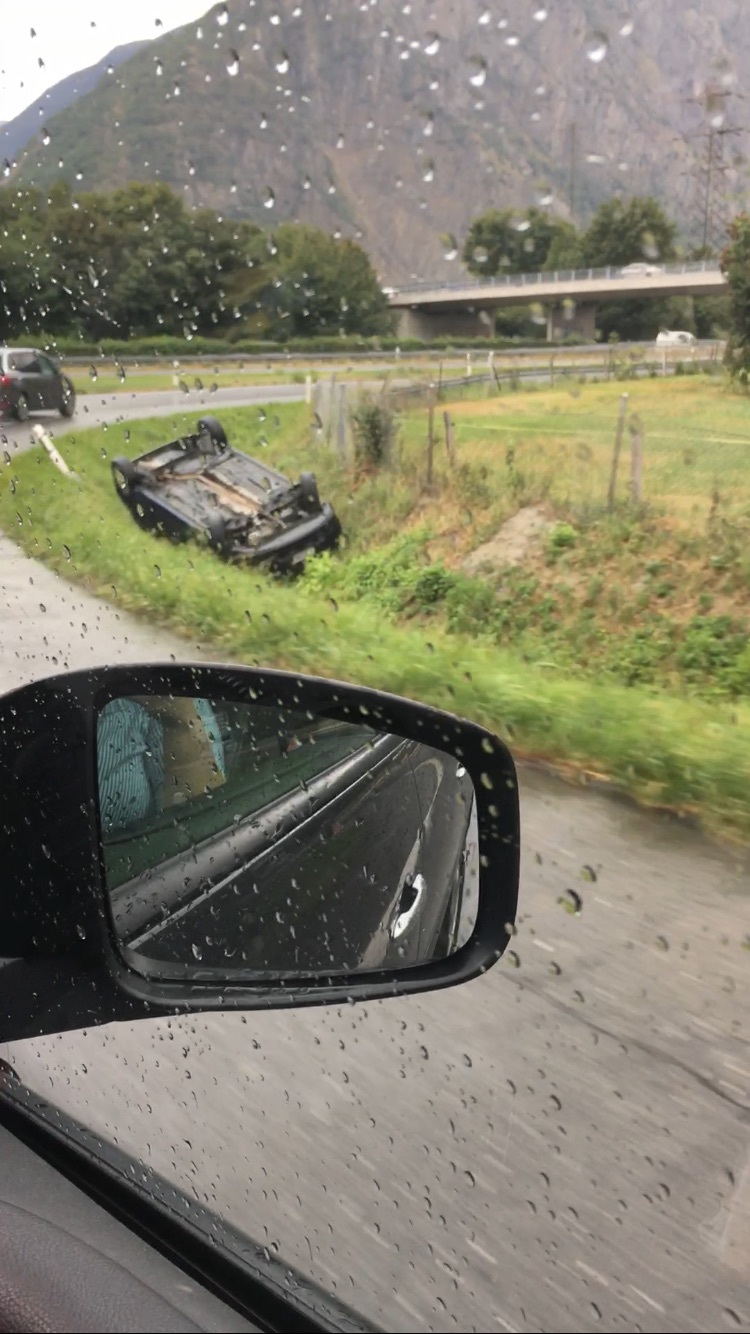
[(245, 840)]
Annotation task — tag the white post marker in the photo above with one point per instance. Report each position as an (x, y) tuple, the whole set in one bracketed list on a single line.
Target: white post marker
[(308, 388), (57, 458)]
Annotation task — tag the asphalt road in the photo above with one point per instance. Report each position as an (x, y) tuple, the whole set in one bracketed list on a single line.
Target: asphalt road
[(93, 409), (561, 1145)]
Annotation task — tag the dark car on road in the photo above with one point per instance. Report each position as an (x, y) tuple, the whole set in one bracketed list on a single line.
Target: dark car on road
[(329, 846), (30, 381), (199, 486)]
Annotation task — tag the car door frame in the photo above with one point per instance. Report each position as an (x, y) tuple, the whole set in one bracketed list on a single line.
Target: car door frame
[(242, 1272), (50, 384)]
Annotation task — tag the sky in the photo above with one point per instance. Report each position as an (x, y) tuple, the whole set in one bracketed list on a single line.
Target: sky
[(67, 38)]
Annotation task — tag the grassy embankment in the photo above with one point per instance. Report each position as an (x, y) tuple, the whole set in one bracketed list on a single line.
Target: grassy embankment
[(557, 653)]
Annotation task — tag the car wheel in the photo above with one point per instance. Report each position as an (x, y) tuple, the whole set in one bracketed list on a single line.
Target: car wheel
[(309, 491), (125, 475), (68, 403), (22, 410), (212, 427)]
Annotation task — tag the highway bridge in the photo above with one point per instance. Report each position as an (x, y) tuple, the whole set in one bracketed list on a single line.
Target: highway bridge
[(566, 301)]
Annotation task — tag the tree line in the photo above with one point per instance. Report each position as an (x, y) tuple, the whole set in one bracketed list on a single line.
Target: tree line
[(621, 232), (137, 262)]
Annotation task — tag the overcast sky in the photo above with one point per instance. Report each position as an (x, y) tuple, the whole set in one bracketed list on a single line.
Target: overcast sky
[(68, 37)]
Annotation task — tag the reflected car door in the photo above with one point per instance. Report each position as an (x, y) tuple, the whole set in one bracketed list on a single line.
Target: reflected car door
[(50, 395), (311, 881), (446, 796)]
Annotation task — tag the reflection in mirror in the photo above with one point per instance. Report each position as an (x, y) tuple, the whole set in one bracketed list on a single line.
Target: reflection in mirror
[(241, 840)]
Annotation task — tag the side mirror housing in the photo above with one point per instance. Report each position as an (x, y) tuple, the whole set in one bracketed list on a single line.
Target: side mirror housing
[(178, 838)]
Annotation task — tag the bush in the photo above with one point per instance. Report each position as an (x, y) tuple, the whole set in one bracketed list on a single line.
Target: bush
[(375, 431), (561, 538)]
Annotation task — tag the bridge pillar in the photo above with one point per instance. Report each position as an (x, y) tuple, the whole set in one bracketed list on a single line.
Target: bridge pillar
[(576, 318), (429, 324)]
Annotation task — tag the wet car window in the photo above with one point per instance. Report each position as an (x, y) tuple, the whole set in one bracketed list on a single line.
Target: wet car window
[(476, 277)]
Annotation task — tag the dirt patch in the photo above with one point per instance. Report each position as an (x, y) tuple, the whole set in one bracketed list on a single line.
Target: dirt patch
[(520, 538)]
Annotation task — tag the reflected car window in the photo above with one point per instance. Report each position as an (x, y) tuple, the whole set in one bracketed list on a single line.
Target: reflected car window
[(257, 756)]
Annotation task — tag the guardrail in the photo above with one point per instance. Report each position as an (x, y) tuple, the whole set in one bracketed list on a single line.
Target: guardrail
[(171, 364), (557, 276), (609, 368)]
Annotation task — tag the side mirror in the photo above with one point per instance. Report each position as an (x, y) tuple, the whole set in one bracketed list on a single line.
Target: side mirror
[(178, 838)]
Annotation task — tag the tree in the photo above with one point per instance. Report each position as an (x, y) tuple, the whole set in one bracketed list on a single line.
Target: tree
[(566, 250), (627, 232), (624, 232), (510, 242), (735, 263), (322, 285)]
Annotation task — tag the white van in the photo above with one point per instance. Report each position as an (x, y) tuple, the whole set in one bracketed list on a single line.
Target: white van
[(675, 338)]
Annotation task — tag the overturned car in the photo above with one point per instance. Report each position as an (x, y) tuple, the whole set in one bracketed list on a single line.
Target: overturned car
[(199, 486)]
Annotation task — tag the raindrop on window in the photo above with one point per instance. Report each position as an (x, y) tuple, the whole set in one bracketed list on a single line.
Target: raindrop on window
[(233, 64), (572, 902), (596, 47), (478, 67), (282, 63), (432, 44), (223, 16), (269, 198)]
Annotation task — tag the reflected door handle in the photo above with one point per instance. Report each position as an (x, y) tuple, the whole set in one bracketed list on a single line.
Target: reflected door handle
[(409, 905)]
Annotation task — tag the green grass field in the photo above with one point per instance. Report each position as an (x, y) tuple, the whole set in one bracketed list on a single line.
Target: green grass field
[(355, 617)]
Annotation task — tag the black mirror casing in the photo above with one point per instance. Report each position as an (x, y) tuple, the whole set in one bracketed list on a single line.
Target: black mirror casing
[(63, 966)]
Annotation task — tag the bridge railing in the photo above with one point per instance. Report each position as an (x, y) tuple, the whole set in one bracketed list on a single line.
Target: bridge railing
[(557, 276)]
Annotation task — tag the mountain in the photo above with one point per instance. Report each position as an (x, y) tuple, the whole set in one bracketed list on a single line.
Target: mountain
[(400, 121), (16, 133)]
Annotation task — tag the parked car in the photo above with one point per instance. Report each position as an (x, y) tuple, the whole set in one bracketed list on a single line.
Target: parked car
[(31, 381), (198, 485), (641, 270), (675, 338)]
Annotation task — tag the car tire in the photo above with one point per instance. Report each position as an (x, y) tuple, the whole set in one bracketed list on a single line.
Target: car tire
[(309, 491), (212, 426), (68, 403), (125, 475), (22, 411)]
